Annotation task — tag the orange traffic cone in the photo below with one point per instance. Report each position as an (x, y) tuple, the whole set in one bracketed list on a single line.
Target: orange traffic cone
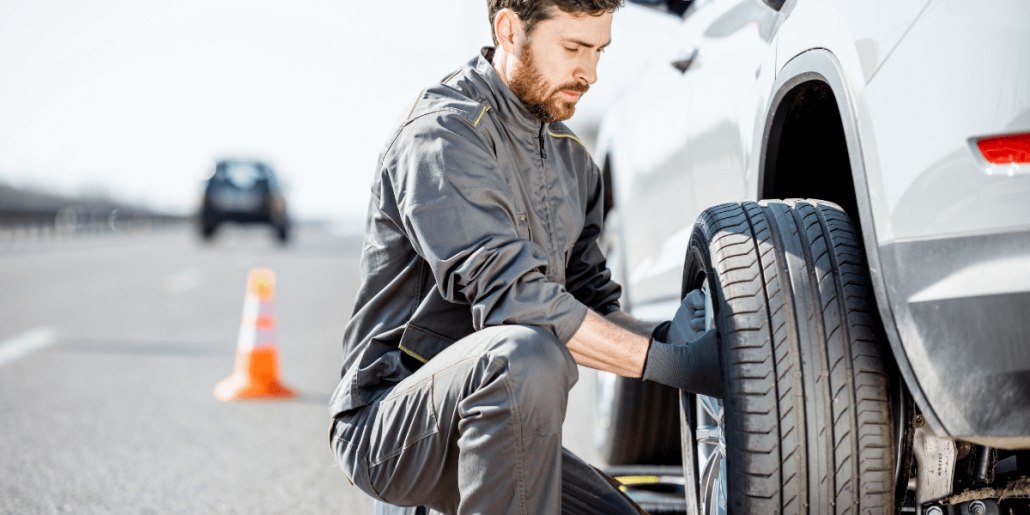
[(257, 357)]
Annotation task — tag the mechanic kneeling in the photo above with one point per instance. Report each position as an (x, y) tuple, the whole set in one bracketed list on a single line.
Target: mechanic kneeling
[(483, 287)]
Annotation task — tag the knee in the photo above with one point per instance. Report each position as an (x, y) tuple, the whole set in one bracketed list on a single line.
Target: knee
[(536, 357)]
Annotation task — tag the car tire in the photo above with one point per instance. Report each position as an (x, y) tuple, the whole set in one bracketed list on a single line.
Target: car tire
[(642, 427), (805, 421), (208, 231)]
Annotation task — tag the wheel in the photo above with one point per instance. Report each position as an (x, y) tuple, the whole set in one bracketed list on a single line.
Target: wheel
[(637, 421), (704, 452), (207, 231), (805, 424)]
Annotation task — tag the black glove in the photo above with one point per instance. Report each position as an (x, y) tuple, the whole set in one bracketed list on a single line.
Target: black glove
[(689, 322), (691, 365)]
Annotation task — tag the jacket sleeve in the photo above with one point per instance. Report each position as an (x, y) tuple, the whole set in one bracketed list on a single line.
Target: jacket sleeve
[(454, 204), (587, 276)]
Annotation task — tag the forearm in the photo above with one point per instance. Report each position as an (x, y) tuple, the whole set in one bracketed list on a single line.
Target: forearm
[(626, 321), (603, 345), (617, 344)]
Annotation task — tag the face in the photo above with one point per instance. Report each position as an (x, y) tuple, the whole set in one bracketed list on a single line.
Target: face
[(558, 63)]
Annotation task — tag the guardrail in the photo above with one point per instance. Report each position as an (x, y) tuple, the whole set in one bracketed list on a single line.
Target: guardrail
[(23, 225)]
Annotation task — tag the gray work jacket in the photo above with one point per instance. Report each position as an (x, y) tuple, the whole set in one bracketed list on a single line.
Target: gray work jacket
[(480, 216)]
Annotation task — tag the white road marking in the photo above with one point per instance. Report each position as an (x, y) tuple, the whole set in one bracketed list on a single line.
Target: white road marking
[(184, 281), (26, 343)]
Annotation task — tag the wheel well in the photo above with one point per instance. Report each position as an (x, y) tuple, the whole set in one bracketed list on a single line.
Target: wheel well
[(807, 151)]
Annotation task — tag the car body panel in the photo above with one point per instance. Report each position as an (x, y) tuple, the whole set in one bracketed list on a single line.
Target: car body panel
[(861, 34), (933, 183), (962, 310), (943, 219), (236, 200), (921, 206)]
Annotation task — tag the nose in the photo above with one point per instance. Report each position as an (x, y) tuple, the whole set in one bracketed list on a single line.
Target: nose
[(587, 69)]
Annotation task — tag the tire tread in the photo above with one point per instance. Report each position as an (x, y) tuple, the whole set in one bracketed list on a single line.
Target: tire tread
[(799, 439)]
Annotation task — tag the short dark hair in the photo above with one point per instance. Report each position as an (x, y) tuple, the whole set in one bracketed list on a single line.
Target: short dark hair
[(532, 12)]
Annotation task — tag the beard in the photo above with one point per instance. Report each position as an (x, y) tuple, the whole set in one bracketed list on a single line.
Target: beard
[(542, 100)]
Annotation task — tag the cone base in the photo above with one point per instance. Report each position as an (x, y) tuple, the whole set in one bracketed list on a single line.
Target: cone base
[(256, 377), (239, 387)]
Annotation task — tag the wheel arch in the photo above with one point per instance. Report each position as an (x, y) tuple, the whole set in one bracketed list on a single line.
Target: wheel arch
[(811, 89)]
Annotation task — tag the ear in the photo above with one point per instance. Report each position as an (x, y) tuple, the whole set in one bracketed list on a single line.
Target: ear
[(508, 28)]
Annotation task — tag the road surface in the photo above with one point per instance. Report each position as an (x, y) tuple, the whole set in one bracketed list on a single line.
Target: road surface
[(109, 351)]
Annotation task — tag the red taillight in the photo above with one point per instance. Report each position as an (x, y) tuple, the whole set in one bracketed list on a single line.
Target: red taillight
[(1003, 150)]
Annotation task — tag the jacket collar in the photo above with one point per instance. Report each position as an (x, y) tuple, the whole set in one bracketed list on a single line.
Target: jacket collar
[(505, 104)]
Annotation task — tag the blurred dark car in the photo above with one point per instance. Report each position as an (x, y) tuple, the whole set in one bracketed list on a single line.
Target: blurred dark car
[(243, 192)]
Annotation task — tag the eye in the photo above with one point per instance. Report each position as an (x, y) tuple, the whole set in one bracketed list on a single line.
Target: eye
[(571, 50)]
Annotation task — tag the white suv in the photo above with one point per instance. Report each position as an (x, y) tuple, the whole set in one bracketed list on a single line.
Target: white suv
[(875, 326)]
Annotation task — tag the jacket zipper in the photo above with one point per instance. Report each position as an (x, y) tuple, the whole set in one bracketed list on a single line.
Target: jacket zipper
[(543, 153)]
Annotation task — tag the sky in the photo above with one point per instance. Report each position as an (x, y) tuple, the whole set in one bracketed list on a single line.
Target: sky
[(135, 99)]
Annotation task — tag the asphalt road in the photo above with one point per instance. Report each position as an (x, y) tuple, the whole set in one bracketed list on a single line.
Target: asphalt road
[(107, 405)]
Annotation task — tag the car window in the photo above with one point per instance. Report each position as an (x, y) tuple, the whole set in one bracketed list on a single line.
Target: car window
[(243, 175), (269, 176)]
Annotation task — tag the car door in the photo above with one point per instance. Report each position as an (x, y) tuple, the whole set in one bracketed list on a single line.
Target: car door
[(733, 42), (683, 144), (649, 158), (652, 157)]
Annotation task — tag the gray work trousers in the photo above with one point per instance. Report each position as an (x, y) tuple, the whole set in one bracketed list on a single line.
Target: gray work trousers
[(477, 430)]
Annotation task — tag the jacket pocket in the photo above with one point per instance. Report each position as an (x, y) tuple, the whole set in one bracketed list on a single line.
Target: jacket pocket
[(522, 227), (421, 343)]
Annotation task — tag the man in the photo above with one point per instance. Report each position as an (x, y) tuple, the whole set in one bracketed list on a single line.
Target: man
[(483, 287)]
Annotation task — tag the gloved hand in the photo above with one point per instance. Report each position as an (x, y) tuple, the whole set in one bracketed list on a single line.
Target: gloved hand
[(679, 358), (689, 322)]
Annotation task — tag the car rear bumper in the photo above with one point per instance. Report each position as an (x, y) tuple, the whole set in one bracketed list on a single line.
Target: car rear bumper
[(962, 306), (214, 217)]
